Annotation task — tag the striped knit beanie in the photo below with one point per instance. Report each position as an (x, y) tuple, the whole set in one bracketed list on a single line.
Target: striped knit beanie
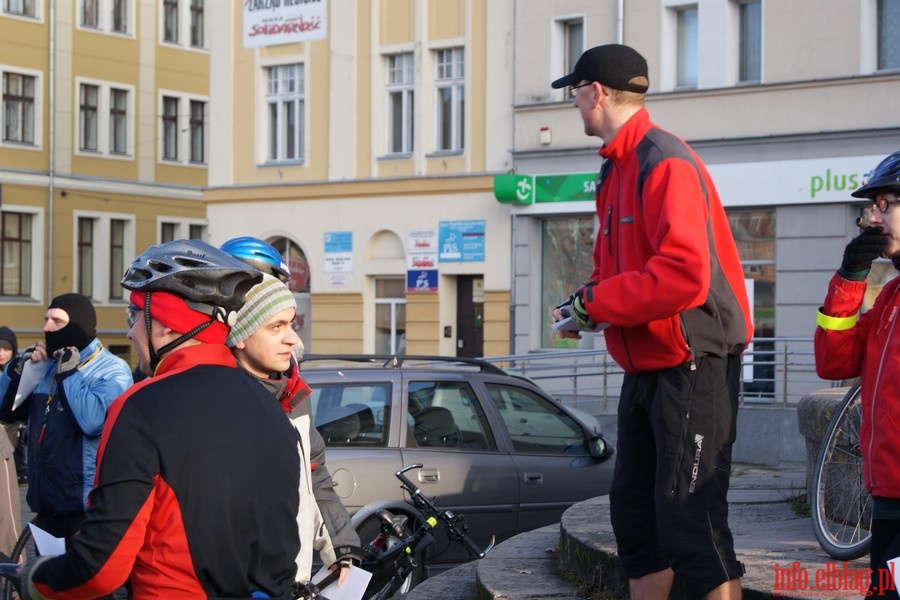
[(264, 300)]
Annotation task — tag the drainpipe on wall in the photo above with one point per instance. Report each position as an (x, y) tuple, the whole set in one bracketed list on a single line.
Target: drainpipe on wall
[(52, 150), (620, 21)]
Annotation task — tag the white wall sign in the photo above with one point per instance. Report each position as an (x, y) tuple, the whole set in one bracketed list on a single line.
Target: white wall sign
[(274, 22)]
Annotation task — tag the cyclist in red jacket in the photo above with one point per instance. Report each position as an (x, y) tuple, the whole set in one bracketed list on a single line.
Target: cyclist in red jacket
[(197, 483), (669, 284), (849, 344)]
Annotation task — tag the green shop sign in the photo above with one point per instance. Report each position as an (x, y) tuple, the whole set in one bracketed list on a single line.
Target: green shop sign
[(528, 189)]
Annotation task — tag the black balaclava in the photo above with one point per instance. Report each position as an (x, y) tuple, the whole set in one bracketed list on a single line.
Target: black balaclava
[(81, 328)]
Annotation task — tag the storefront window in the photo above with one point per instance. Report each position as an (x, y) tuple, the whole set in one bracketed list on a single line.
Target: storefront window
[(754, 234), (567, 245)]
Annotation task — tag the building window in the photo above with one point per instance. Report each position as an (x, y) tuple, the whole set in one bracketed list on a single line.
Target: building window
[(88, 115), (170, 21), (750, 68), (401, 98), (23, 8), (18, 108), (117, 229), (181, 229), (167, 232), (85, 256), (754, 234), (450, 84), (390, 315), (15, 254), (573, 40), (120, 16), (284, 97), (170, 128), (888, 24), (686, 51), (567, 245), (118, 121), (198, 131), (197, 23), (90, 13)]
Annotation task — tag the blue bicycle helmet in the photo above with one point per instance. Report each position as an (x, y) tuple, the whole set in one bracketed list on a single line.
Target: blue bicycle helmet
[(258, 254), (885, 178)]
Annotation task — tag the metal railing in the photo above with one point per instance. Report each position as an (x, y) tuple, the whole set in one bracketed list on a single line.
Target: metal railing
[(777, 371)]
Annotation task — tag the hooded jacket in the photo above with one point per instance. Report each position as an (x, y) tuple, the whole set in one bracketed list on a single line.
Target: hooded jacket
[(65, 415), (867, 347), (667, 276)]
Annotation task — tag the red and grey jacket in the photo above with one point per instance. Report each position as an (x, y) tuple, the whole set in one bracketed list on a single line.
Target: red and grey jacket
[(667, 276), (848, 345), (196, 493)]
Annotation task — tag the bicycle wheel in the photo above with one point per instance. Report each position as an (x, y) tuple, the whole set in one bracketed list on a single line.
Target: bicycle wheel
[(841, 506), (22, 551)]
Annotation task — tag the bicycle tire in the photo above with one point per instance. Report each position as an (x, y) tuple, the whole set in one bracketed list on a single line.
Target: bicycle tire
[(22, 550), (841, 506)]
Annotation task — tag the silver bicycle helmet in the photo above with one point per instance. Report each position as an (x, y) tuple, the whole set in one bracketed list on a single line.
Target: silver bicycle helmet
[(193, 270), (259, 255), (885, 178)]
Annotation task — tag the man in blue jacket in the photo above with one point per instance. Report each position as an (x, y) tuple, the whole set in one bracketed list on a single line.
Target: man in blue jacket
[(77, 381)]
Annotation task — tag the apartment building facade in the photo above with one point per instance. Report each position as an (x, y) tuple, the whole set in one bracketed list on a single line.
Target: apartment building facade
[(104, 148), (365, 153)]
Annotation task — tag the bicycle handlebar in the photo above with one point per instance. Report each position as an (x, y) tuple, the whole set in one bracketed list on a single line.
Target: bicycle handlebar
[(450, 520), (10, 571)]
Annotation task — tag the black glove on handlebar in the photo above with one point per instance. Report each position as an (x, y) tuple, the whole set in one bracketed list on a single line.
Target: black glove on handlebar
[(353, 554), (861, 251)]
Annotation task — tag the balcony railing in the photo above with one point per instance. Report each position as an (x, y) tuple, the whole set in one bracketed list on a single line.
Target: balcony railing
[(777, 371)]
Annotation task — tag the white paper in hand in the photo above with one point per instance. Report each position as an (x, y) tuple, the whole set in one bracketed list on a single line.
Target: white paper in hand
[(569, 324), (32, 374), (47, 545), (353, 587)]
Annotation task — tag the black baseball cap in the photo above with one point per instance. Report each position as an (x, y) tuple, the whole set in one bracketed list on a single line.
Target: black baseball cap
[(615, 65)]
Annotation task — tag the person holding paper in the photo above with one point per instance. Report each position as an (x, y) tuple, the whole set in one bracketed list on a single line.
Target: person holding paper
[(198, 473), (849, 344), (668, 281), (265, 344), (63, 386)]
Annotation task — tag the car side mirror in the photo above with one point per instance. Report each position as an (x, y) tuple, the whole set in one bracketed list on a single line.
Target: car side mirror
[(598, 448)]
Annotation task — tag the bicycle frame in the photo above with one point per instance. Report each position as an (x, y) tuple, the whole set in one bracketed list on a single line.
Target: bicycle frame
[(390, 565)]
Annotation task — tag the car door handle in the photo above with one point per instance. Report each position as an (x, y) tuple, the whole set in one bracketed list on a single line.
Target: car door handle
[(534, 478), (429, 476)]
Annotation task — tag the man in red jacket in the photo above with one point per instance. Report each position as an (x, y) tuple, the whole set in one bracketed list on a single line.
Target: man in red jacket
[(668, 282), (849, 344), (196, 493)]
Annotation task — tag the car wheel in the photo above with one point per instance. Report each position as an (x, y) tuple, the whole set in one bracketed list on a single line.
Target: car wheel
[(368, 531)]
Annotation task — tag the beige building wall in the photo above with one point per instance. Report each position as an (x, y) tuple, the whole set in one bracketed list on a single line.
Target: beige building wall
[(56, 183), (348, 182)]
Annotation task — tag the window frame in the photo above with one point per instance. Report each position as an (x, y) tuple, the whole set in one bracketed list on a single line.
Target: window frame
[(29, 13), (111, 120), (750, 50), (110, 17), (182, 21), (24, 262), (181, 228), (36, 101), (103, 285), (404, 88), (687, 41), (452, 125), (885, 38), (183, 126), (276, 103)]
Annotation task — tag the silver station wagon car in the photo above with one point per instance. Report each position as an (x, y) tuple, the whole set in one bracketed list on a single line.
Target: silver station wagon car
[(494, 447)]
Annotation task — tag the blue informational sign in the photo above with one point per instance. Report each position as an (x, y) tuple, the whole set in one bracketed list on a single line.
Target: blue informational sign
[(422, 280), (338, 241), (461, 241)]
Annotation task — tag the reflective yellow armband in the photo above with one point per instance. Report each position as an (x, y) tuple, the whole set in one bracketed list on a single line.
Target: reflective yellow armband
[(835, 323)]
